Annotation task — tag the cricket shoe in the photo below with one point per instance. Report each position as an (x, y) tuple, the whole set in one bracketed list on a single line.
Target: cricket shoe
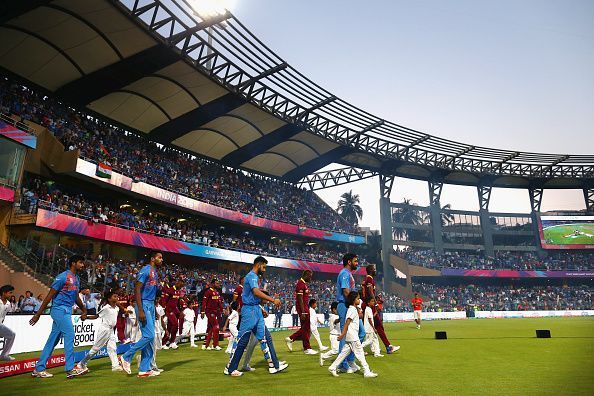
[(392, 348), (6, 358), (124, 365), (310, 352), (378, 355), (321, 360), (217, 348), (323, 348), (369, 374), (145, 374), (173, 346), (289, 342), (41, 374), (203, 347), (82, 367), (157, 369), (116, 369), (209, 348), (281, 366), (165, 347), (248, 369), (333, 372), (235, 373), (353, 368), (75, 372)]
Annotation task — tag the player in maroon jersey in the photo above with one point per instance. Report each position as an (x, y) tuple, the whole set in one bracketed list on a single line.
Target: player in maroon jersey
[(302, 304), (173, 312), (212, 307), (122, 315), (368, 289), (237, 294)]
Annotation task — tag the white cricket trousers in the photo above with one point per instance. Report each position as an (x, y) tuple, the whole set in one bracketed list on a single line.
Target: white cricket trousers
[(357, 349), (371, 339), (334, 345), (233, 330), (8, 336), (316, 334), (105, 336), (189, 331)]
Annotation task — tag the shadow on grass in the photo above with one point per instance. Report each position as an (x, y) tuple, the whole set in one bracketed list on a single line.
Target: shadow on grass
[(172, 365), (491, 338)]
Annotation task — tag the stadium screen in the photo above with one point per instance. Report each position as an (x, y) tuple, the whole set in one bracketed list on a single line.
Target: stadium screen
[(567, 232)]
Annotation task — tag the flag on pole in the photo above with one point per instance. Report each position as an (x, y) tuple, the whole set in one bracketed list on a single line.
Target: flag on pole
[(104, 150), (104, 170)]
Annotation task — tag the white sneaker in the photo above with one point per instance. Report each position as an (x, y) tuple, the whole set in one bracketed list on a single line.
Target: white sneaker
[(124, 365), (281, 366), (310, 352), (323, 348), (145, 374), (321, 360), (233, 374), (369, 374), (217, 348), (248, 369), (378, 355), (173, 346), (289, 342), (41, 374), (116, 369), (165, 347), (203, 347), (209, 348), (76, 371), (159, 370), (333, 372)]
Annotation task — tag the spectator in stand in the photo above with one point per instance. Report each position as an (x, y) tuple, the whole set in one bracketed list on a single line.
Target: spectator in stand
[(142, 160), (29, 305)]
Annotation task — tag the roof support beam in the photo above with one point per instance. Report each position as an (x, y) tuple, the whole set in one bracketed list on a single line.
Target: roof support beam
[(355, 139), (322, 103), (261, 145), (194, 119), (117, 75), (262, 75), (310, 167)]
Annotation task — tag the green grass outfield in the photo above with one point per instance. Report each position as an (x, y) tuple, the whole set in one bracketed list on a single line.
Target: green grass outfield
[(481, 356), (555, 235)]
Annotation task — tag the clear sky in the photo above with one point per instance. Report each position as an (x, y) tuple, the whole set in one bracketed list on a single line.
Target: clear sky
[(513, 75)]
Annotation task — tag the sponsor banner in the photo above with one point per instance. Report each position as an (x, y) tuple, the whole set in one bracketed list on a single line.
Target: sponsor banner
[(8, 369), (516, 274), (26, 342), (13, 133), (531, 314), (61, 222), (6, 194), (88, 169)]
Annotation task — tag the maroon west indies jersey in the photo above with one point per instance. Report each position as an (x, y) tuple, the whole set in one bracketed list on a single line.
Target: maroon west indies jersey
[(368, 283), (301, 289), (238, 292), (212, 302)]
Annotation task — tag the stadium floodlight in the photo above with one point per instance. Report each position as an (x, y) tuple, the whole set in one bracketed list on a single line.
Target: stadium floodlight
[(206, 9)]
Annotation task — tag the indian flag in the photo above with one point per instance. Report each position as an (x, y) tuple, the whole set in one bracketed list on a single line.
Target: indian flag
[(104, 170)]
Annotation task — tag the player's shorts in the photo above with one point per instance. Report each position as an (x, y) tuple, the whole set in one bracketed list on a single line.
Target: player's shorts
[(417, 315)]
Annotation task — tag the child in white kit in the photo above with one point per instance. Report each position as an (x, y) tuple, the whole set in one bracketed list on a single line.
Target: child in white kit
[(350, 333), (188, 329), (371, 337), (334, 322), (313, 323), (232, 322), (108, 313), (131, 324)]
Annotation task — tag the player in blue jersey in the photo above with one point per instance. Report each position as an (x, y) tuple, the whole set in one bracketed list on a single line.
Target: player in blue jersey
[(145, 291), (252, 322), (345, 283), (63, 295)]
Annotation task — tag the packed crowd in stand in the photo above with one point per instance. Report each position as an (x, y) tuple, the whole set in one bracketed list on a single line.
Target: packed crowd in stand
[(504, 298), (145, 161), (502, 260), (49, 196)]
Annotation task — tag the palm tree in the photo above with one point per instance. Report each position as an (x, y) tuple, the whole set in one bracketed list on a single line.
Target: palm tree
[(349, 208), (406, 214)]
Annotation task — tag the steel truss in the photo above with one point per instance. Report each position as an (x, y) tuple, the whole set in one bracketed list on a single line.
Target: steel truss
[(240, 62)]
